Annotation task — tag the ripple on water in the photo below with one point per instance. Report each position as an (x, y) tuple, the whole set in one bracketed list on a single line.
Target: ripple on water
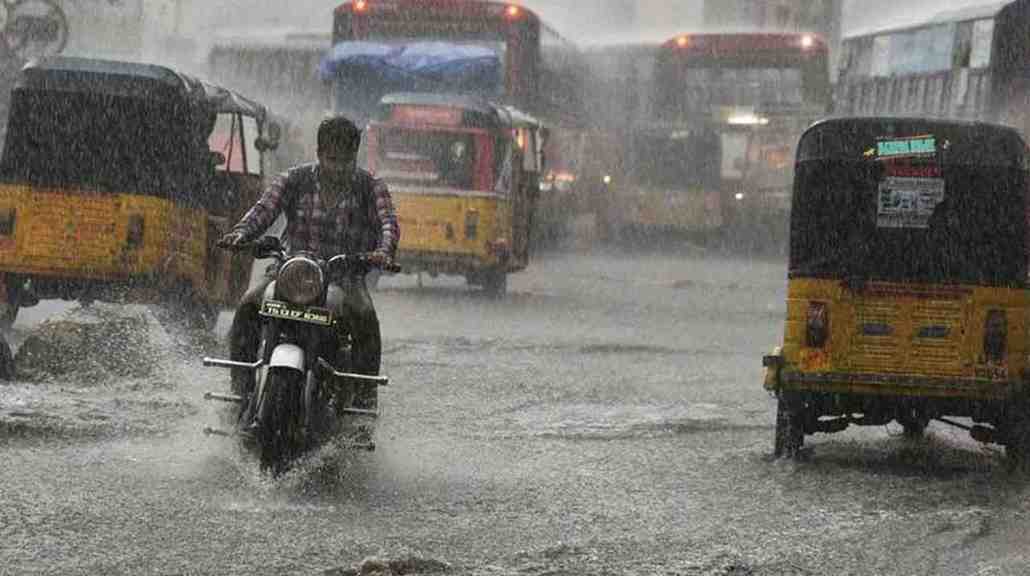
[(593, 421)]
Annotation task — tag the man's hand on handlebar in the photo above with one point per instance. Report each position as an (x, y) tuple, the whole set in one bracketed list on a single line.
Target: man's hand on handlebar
[(383, 261), (378, 259), (231, 240)]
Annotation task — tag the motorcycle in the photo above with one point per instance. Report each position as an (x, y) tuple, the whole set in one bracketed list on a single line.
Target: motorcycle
[(303, 393)]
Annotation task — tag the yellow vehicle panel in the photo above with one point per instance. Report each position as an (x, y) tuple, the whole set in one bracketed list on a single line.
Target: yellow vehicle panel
[(452, 224), (81, 234), (677, 209), (893, 338)]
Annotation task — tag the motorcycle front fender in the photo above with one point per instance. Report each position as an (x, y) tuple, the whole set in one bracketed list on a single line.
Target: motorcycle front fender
[(287, 356)]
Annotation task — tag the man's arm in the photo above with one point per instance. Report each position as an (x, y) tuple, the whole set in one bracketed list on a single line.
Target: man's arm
[(390, 230), (264, 213)]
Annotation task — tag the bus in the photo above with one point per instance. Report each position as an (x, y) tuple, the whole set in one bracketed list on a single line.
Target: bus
[(281, 67), (704, 146), (500, 52), (960, 64)]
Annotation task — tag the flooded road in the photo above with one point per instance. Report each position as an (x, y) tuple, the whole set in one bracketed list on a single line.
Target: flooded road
[(605, 417)]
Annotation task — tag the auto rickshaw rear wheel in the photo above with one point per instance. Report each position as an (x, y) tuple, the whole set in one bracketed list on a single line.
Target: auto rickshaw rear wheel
[(495, 282), (7, 371), (1017, 444), (790, 432), (10, 305), (914, 424), (8, 314)]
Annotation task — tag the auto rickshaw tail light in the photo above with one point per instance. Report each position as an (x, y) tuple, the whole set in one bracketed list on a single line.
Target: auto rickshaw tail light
[(7, 220), (134, 234), (995, 335), (817, 325)]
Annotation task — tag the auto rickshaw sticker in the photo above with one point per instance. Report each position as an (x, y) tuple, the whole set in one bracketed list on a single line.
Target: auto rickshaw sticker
[(905, 202), (901, 147)]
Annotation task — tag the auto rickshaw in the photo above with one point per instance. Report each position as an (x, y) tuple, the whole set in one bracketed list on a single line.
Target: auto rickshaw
[(117, 179), (907, 295), (464, 175)]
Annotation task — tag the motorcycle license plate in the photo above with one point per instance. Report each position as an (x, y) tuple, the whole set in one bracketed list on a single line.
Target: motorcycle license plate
[(287, 311)]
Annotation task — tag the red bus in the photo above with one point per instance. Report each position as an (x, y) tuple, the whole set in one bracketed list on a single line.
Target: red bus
[(704, 153), (501, 52)]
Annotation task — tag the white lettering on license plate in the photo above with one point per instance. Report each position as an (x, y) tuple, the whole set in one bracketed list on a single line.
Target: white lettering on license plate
[(282, 310)]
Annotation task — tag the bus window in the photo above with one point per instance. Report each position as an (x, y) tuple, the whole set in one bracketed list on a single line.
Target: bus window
[(963, 45), (983, 32)]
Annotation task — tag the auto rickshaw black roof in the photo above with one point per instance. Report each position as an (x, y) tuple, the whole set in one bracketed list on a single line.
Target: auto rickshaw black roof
[(914, 200), (969, 142), (130, 79), (115, 126)]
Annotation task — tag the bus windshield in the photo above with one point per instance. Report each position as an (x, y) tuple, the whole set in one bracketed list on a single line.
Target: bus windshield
[(717, 74), (705, 90), (752, 87)]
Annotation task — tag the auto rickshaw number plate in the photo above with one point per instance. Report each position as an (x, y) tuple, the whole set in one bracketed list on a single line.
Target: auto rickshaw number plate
[(287, 311)]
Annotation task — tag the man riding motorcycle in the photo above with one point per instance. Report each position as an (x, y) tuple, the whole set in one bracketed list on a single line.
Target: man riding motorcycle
[(331, 207)]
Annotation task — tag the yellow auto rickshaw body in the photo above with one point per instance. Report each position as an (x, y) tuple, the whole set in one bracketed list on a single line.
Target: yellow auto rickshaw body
[(907, 294), (116, 180), (464, 176)]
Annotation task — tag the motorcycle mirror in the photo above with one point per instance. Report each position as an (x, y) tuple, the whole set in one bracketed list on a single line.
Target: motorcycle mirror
[(337, 264)]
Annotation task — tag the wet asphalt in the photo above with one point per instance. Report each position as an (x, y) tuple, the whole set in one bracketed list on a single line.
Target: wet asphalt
[(605, 417)]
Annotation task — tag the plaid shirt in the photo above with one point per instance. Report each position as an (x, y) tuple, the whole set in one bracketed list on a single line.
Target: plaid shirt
[(362, 221)]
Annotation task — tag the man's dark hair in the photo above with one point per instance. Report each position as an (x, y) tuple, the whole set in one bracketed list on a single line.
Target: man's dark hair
[(338, 132)]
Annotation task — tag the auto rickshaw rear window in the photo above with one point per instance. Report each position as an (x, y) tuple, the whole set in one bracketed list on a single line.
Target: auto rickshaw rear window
[(939, 204), (96, 141)]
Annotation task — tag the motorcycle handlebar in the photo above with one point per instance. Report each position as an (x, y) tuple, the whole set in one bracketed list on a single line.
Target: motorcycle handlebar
[(363, 260), (270, 247)]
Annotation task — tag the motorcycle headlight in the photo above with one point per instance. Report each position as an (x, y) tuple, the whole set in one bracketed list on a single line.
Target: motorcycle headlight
[(300, 281)]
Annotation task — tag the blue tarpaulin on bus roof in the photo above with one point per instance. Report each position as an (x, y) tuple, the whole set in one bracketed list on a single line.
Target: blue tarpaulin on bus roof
[(416, 66)]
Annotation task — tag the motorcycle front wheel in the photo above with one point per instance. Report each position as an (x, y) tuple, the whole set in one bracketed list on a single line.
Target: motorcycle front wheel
[(280, 433)]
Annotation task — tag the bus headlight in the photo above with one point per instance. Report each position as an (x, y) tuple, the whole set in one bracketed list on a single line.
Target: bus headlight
[(300, 281)]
